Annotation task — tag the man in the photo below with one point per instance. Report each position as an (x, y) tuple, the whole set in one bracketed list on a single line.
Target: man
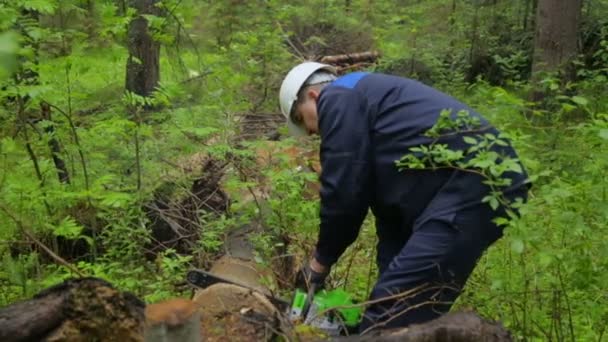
[(431, 223)]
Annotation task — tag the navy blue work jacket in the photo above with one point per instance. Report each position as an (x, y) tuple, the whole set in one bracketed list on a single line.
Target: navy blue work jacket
[(367, 121)]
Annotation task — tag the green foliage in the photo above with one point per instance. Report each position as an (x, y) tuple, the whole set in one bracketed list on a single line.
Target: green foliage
[(547, 272), (481, 157), (17, 274)]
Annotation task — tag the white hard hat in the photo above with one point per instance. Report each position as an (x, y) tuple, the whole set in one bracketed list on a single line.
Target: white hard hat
[(290, 87)]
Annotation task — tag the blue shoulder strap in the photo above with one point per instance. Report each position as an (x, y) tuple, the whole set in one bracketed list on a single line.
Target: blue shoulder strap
[(349, 80)]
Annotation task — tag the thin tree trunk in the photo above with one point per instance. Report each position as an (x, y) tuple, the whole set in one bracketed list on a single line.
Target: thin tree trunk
[(143, 71), (526, 14), (54, 146), (29, 77), (122, 7), (92, 20), (453, 17), (474, 34)]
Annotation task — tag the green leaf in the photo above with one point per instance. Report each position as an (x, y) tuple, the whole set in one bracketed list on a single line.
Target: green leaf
[(42, 6), (603, 134), (545, 259), (579, 100), (470, 140), (517, 246), (494, 203), (68, 228), (116, 200)]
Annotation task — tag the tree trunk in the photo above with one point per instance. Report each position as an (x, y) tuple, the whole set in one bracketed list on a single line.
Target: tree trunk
[(122, 7), (91, 22), (555, 39), (526, 14), (143, 70)]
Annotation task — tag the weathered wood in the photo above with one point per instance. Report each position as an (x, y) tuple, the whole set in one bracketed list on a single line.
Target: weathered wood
[(85, 309)]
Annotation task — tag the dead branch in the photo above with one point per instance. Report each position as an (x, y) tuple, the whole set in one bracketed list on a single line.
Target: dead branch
[(31, 236)]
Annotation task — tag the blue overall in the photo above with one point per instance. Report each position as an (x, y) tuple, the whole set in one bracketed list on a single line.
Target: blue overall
[(431, 224)]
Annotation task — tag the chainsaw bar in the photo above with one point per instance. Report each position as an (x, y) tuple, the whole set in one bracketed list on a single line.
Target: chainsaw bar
[(204, 279)]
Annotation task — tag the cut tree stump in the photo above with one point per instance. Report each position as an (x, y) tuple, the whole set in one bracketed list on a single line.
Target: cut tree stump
[(86, 309), (234, 313), (173, 320)]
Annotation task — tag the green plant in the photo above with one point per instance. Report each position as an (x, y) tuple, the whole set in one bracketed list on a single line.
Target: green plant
[(481, 157)]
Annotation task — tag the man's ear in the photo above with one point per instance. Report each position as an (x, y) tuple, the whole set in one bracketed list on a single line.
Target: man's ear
[(313, 93)]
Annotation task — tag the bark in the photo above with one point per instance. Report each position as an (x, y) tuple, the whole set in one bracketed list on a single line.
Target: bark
[(555, 40), (86, 309), (143, 70)]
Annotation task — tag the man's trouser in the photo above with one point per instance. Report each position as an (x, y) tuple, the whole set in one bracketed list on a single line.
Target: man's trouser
[(429, 265)]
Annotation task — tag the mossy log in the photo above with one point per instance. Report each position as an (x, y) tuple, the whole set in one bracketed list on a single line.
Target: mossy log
[(86, 309)]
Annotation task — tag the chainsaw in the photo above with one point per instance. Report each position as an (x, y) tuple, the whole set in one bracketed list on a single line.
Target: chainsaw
[(331, 311)]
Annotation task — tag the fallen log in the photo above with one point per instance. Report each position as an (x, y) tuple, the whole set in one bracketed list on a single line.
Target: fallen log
[(452, 327), (84, 309)]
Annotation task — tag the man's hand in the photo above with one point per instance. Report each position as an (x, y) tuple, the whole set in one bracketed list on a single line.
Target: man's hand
[(312, 274)]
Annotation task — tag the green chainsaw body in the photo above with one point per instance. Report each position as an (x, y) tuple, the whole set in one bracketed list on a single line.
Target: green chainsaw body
[(331, 311)]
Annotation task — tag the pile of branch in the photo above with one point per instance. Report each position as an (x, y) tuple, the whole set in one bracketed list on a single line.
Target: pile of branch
[(351, 61)]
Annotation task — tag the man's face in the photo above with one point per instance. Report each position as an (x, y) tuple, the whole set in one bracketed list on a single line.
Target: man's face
[(305, 113)]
